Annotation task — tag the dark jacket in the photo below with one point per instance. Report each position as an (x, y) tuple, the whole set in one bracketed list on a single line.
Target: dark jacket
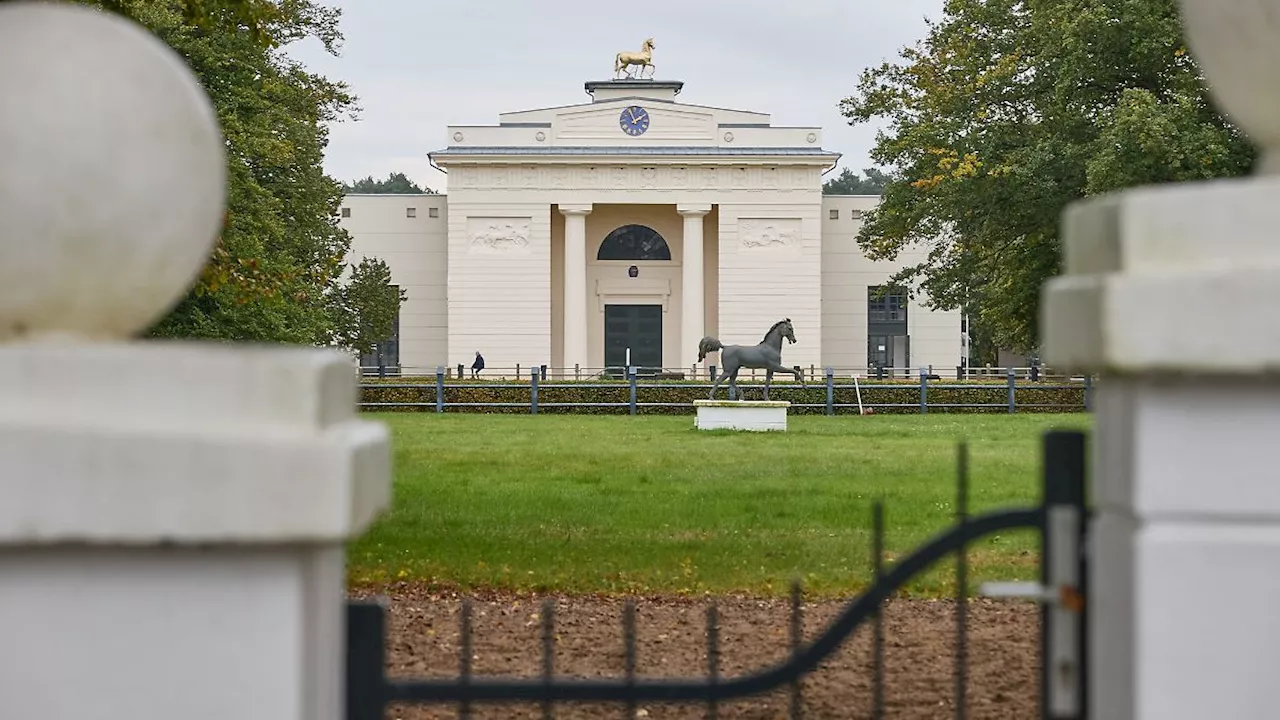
[(479, 363)]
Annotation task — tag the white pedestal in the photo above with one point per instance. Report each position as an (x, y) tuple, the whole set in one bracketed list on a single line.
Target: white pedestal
[(1186, 534), (172, 531), (753, 415)]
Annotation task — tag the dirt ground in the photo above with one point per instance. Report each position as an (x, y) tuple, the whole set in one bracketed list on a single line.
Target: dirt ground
[(423, 640)]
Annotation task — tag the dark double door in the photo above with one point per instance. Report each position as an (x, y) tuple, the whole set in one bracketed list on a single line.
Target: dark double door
[(638, 327)]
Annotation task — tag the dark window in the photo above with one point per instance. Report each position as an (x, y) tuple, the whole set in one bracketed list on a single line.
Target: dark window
[(634, 242), (385, 357), (346, 212), (886, 304)]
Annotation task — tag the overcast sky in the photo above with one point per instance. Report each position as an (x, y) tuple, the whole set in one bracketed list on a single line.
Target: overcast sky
[(419, 66)]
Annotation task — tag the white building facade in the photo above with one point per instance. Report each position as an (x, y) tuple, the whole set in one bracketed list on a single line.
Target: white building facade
[(629, 227)]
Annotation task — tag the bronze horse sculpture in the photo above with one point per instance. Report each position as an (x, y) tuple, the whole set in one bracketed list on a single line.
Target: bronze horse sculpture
[(767, 355)]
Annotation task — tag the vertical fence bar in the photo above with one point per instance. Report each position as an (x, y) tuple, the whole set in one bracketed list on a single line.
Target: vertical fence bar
[(439, 388), (631, 381), (797, 633), (1013, 387), (464, 657), (711, 372), (962, 584), (1063, 624), (577, 372), (924, 392), (460, 371), (542, 372), (382, 366), (366, 656), (629, 648), (713, 657), (548, 652), (831, 390), (1088, 393), (877, 627), (533, 390)]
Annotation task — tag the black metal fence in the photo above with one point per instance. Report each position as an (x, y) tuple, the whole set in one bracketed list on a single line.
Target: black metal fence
[(1061, 519), (838, 395)]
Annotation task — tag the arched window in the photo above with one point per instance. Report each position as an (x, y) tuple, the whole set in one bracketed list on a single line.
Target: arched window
[(634, 242)]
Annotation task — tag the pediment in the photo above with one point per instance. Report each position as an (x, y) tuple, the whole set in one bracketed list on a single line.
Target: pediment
[(669, 124)]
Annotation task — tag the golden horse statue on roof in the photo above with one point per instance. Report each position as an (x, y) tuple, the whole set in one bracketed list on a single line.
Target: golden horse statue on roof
[(626, 59)]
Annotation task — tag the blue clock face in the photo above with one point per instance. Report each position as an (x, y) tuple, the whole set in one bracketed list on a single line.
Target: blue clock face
[(634, 121)]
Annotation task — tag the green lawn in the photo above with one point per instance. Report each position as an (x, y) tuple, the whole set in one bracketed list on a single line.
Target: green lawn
[(648, 504)]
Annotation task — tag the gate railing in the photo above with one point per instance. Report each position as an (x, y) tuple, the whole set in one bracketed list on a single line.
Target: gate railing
[(1061, 519)]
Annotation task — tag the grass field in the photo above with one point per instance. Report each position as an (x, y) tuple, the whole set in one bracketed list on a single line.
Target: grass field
[(650, 505)]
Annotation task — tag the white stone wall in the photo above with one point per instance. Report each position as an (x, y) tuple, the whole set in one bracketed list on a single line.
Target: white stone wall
[(416, 250), (770, 267), (846, 275), (499, 280)]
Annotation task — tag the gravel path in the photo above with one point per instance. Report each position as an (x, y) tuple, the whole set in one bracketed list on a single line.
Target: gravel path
[(919, 644)]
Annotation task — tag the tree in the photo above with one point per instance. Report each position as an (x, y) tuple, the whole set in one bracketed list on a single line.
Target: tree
[(273, 273), (849, 183), (395, 184), (364, 309), (1009, 110)]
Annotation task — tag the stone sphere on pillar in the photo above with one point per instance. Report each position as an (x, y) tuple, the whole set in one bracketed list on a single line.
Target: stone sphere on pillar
[(113, 179), (1235, 44)]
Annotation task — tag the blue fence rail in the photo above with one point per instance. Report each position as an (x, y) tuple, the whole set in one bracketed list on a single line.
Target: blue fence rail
[(539, 394)]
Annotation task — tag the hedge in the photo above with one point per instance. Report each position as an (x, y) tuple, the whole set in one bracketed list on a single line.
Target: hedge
[(884, 396)]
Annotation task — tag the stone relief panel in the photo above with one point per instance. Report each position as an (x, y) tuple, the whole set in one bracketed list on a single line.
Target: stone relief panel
[(498, 235), (769, 233), (622, 177)]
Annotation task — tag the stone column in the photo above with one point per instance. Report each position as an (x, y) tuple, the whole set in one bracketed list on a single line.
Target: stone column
[(174, 513), (693, 292), (1170, 295), (575, 285)]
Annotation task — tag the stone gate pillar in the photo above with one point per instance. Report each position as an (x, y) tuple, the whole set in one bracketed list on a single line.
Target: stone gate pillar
[(172, 515), (1172, 295)]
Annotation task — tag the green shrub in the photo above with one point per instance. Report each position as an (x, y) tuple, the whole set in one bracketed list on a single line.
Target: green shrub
[(676, 398)]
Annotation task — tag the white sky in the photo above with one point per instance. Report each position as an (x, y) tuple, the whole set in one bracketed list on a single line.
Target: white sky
[(419, 66)]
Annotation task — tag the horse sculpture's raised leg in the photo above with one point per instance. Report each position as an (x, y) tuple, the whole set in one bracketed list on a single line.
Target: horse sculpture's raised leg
[(770, 370)]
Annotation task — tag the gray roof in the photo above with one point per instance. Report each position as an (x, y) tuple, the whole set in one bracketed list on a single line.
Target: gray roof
[(650, 150)]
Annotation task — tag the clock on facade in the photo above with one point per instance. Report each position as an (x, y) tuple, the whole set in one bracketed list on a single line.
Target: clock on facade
[(634, 120)]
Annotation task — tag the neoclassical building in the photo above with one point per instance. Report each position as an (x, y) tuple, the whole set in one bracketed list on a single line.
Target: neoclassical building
[(631, 225)]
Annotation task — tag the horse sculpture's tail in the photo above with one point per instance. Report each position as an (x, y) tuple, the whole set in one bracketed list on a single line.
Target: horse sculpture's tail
[(706, 345)]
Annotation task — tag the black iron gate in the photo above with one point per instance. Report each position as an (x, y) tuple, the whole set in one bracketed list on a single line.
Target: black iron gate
[(1061, 519)]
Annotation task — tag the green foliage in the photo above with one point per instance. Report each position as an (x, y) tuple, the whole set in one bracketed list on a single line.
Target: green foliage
[(364, 308), (395, 184), (274, 273), (1009, 110), (887, 396), (849, 183), (620, 504), (268, 23)]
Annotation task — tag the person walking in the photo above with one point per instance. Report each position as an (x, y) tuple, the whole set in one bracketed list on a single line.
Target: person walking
[(477, 366)]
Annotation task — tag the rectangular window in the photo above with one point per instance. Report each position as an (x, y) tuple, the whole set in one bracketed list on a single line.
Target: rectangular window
[(855, 214), (433, 212), (346, 212), (886, 305), (411, 212), (835, 215)]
